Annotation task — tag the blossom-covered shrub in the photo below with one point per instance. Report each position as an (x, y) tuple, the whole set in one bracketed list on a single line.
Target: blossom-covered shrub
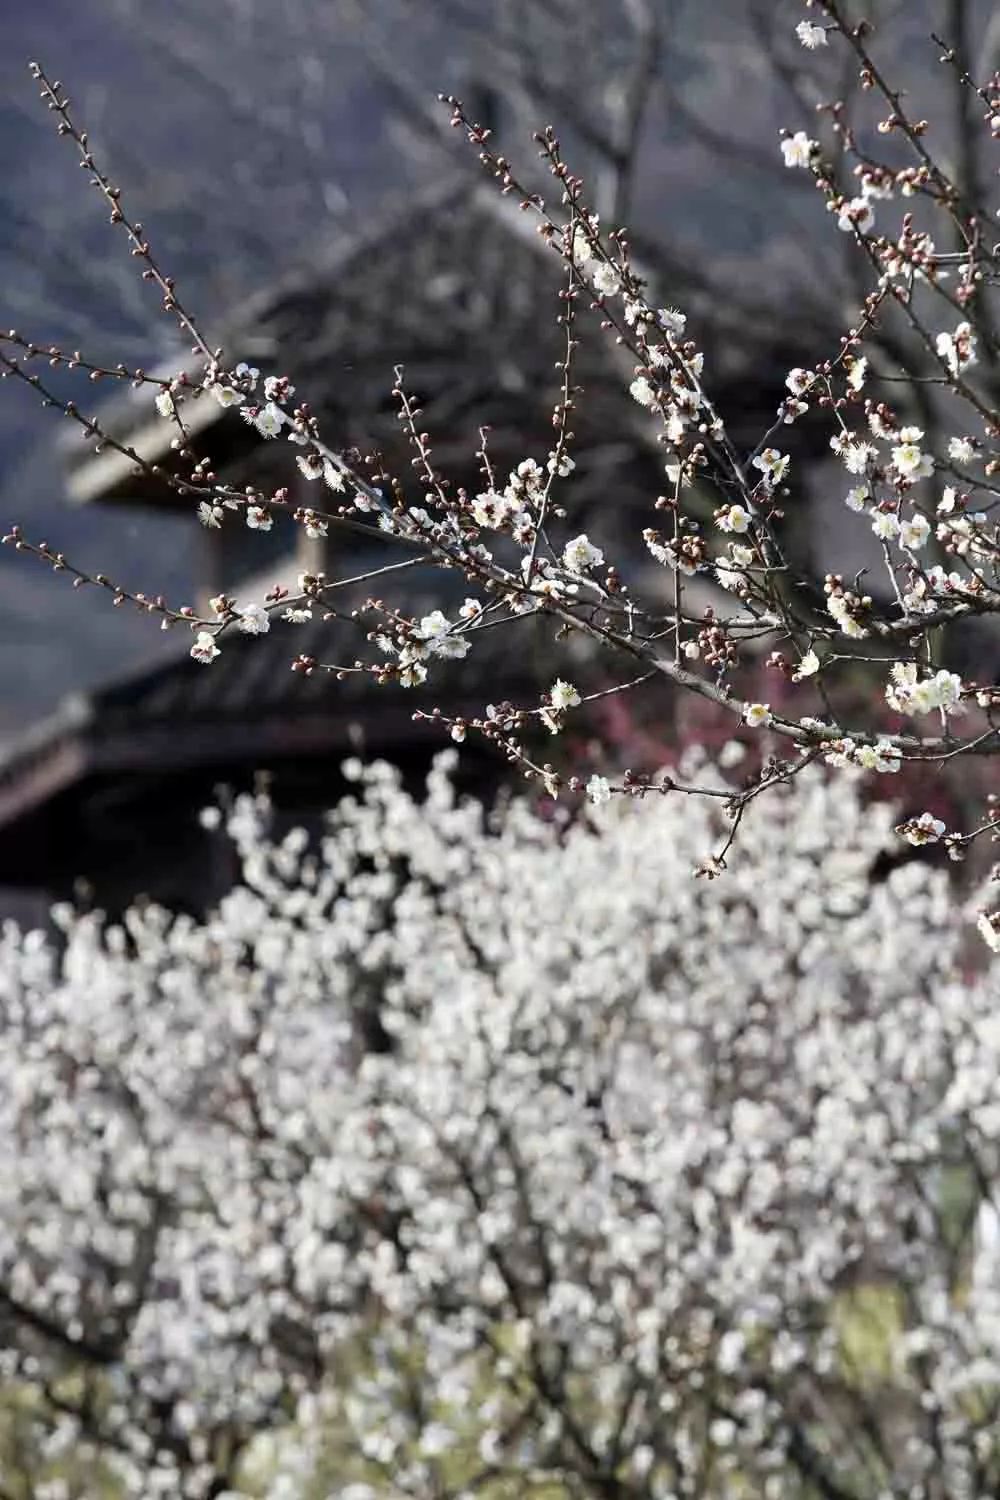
[(654, 1185)]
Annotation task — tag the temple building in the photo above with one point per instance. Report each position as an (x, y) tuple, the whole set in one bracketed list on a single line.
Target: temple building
[(102, 799)]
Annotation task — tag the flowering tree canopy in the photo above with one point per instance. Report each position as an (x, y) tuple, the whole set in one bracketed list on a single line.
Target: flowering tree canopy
[(917, 443), (464, 1155)]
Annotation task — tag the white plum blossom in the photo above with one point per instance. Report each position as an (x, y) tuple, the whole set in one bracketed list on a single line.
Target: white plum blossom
[(210, 515), (642, 391), (310, 465), (605, 278), (253, 619), (580, 555), (757, 715), (734, 518), (598, 790), (259, 518), (269, 420), (989, 929), (961, 450), (909, 461), (857, 370), (798, 150), (204, 649), (811, 36), (914, 533), (226, 395), (277, 387), (798, 380), (925, 829), (885, 525), (563, 695), (165, 404), (773, 465), (857, 215), (808, 666), (438, 637), (908, 693), (856, 497), (957, 349), (855, 453)]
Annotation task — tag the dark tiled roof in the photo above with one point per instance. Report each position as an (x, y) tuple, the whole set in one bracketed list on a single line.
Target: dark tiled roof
[(249, 708)]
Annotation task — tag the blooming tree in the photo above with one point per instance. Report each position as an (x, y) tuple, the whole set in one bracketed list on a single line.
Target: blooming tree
[(917, 442), (639, 1185)]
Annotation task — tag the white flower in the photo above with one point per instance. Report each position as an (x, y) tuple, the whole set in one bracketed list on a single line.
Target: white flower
[(908, 695), (926, 829), (914, 532), (856, 372), (249, 373), (772, 464), (470, 610), (226, 396), (885, 526), (856, 454), (435, 631), (270, 420), (947, 502), (672, 322), (947, 690), (807, 667), (642, 391), (310, 464), (858, 214), (275, 386), (253, 619), (599, 790), (799, 380), (961, 450), (204, 649), (908, 459), (798, 149), (413, 673), (315, 527), (735, 518), (989, 929), (259, 519), (210, 515), (561, 464), (581, 251), (811, 36), (607, 282), (757, 715), (297, 616), (580, 554), (432, 626), (333, 476), (887, 756), (840, 610), (165, 404), (563, 695), (855, 498), (958, 349)]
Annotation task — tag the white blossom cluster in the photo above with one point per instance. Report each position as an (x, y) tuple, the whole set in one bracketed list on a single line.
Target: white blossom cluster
[(495, 1151)]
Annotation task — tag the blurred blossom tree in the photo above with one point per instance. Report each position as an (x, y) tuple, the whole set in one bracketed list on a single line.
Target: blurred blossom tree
[(656, 1186)]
